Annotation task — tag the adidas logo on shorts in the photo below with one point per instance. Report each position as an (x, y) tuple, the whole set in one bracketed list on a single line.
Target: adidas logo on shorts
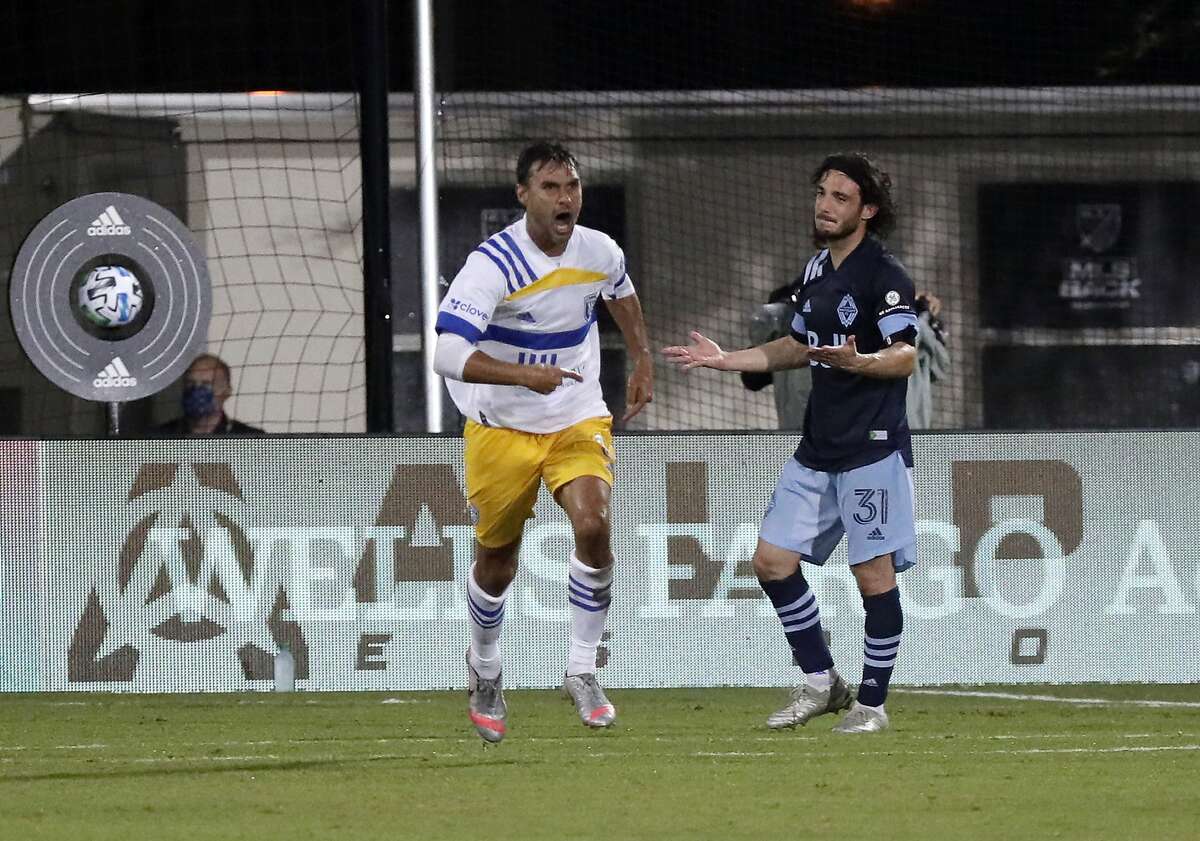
[(875, 534), (109, 224), (114, 375)]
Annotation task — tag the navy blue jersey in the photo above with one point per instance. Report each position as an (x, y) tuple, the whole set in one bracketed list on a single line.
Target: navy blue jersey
[(852, 420)]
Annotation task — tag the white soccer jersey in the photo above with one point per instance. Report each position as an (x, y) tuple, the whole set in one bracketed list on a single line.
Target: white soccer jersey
[(519, 305)]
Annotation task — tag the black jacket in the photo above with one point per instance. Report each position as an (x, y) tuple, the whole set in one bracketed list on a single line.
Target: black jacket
[(178, 428)]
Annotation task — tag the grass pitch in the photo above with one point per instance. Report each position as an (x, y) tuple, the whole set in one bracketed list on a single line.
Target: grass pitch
[(688, 764)]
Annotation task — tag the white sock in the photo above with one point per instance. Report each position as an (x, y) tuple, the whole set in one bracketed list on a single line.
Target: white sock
[(588, 593), (820, 680), (486, 614)]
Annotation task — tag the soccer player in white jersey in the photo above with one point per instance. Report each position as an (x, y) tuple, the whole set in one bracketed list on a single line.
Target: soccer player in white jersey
[(519, 347)]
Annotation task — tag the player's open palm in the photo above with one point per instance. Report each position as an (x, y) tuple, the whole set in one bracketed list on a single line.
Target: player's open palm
[(703, 352), (546, 378), (843, 356)]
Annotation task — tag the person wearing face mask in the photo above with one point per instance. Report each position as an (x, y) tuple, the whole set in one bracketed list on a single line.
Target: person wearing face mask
[(207, 384)]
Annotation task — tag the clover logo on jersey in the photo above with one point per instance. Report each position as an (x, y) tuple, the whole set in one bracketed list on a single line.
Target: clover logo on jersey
[(847, 311)]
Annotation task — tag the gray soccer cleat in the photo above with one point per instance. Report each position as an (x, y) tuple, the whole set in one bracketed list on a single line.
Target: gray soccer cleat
[(808, 702), (485, 704), (590, 701), (863, 719)]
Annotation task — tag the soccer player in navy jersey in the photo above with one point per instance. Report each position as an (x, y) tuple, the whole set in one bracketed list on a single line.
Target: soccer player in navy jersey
[(855, 325)]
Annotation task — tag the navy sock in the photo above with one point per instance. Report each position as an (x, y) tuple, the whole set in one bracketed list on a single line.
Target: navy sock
[(885, 622), (797, 608)]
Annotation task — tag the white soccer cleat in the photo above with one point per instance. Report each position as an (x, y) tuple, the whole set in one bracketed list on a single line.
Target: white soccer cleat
[(808, 702), (863, 719), (590, 701), (485, 704)]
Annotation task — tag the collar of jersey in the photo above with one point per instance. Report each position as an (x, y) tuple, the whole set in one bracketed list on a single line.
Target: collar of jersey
[(559, 277), (868, 247)]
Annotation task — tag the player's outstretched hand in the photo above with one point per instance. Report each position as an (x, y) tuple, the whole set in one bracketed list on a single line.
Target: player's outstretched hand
[(703, 352), (545, 378), (840, 356)]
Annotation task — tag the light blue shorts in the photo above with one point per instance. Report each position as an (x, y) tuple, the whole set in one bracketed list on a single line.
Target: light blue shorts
[(872, 505)]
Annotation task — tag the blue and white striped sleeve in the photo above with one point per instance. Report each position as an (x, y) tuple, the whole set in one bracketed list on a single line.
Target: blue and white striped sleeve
[(799, 328), (619, 284), (472, 298)]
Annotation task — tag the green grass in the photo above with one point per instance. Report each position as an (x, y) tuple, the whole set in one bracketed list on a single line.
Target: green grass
[(689, 764)]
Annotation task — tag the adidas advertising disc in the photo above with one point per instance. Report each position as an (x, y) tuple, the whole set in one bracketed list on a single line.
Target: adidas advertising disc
[(110, 297)]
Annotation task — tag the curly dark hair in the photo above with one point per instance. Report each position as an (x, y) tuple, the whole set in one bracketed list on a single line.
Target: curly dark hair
[(874, 184), (543, 152)]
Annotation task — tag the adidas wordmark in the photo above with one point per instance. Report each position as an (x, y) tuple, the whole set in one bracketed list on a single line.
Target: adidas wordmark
[(109, 224), (114, 375)]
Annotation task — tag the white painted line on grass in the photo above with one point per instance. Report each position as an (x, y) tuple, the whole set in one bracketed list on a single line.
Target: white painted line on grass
[(1012, 696), (1122, 749), (80, 747)]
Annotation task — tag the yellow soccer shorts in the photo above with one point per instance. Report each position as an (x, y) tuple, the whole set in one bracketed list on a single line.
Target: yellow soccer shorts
[(504, 468)]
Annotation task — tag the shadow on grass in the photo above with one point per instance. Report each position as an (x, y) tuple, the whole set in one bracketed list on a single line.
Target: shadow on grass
[(419, 763)]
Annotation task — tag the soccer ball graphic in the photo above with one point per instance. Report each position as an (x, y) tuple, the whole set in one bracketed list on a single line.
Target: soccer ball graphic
[(110, 296)]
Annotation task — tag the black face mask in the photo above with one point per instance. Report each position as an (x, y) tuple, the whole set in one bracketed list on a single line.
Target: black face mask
[(198, 400)]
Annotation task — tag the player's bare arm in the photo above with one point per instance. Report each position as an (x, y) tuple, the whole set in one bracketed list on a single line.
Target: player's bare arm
[(639, 391), (481, 368), (893, 362), (703, 352)]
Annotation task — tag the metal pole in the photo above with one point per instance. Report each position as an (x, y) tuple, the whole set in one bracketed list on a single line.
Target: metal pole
[(428, 203), (376, 171), (114, 420)]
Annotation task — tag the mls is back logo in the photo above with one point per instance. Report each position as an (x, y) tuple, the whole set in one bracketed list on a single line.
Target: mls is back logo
[(1098, 226)]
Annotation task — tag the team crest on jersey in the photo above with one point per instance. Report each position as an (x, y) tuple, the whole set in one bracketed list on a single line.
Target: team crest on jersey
[(892, 298), (847, 310), (589, 305)]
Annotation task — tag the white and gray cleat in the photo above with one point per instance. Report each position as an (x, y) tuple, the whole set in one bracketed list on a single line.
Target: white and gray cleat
[(863, 719), (485, 704), (590, 701), (808, 702)]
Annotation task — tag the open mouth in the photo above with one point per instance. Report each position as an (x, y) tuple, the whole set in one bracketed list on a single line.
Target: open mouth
[(562, 221)]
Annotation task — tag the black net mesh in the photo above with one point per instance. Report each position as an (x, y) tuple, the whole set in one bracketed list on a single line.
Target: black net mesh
[(1043, 155), (201, 113)]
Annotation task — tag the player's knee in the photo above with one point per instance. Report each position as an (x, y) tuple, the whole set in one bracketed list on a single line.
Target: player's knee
[(591, 530), (770, 568)]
